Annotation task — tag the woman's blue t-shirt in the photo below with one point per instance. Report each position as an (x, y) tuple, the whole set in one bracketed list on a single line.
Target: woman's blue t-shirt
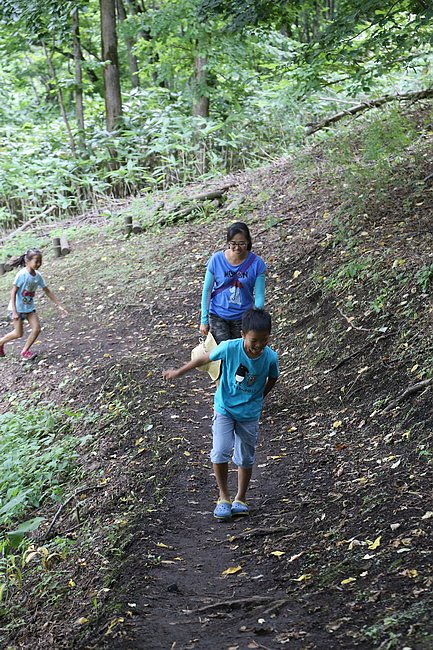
[(243, 380), (234, 301)]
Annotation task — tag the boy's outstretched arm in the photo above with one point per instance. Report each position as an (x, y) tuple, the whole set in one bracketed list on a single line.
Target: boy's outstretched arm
[(269, 385), (178, 372)]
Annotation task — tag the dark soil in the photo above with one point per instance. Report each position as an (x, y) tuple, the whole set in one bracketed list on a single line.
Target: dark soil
[(336, 552)]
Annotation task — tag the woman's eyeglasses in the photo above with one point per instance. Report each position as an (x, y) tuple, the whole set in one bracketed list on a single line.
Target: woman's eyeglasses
[(237, 244)]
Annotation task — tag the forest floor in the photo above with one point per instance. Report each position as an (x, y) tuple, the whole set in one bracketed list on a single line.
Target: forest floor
[(337, 550)]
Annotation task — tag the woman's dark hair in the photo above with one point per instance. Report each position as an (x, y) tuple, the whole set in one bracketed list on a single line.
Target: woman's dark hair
[(239, 228), (26, 257), (258, 320)]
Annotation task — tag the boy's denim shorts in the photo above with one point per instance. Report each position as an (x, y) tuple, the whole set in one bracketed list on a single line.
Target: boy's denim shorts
[(234, 440)]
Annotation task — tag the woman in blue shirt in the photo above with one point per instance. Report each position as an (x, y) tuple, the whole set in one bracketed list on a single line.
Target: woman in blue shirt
[(234, 282)]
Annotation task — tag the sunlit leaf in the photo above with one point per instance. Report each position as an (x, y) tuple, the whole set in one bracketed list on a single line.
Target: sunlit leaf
[(277, 553), (373, 545), (232, 570)]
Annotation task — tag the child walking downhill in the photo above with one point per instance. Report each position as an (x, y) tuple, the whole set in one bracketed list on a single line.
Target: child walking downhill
[(22, 307), (249, 372)]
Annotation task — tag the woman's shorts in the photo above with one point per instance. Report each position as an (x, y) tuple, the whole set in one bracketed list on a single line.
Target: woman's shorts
[(234, 440), (223, 329), (21, 315)]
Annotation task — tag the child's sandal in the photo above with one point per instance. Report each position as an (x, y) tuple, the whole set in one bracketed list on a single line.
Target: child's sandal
[(223, 509), (240, 508)]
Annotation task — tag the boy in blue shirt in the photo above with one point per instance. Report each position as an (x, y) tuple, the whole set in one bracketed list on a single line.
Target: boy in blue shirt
[(249, 372)]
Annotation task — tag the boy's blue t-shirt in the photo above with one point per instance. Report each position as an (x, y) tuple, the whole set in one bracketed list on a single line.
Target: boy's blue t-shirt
[(27, 285), (234, 301), (243, 380)]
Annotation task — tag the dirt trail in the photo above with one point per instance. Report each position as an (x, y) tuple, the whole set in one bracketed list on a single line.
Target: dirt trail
[(171, 592)]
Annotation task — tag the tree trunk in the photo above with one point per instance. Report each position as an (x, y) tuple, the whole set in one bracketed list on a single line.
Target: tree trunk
[(145, 34), (61, 101), (200, 106), (78, 56), (113, 97), (133, 61)]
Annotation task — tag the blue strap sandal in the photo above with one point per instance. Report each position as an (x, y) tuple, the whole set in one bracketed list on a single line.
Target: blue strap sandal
[(223, 509), (240, 508)]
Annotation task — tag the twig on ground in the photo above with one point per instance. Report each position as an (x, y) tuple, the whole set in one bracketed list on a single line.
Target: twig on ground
[(350, 321), (236, 602), (364, 347), (409, 391), (277, 605), (68, 500), (256, 531)]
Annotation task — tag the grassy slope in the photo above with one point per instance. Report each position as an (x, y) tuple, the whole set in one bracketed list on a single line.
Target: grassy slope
[(349, 253)]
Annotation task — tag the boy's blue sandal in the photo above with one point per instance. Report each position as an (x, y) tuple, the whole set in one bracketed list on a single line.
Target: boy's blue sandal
[(240, 508), (223, 509)]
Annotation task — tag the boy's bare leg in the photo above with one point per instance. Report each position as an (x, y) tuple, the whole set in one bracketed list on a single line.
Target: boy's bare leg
[(244, 477), (35, 324), (16, 333), (221, 471)]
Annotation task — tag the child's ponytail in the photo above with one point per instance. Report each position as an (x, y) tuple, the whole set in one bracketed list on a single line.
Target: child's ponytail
[(25, 257), (18, 261)]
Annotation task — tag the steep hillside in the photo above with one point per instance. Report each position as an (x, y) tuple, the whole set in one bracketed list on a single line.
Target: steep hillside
[(336, 552)]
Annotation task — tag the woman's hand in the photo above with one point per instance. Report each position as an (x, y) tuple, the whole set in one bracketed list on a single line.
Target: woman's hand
[(204, 329)]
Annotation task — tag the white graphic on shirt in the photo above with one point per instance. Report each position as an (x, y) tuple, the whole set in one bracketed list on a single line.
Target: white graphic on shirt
[(235, 296)]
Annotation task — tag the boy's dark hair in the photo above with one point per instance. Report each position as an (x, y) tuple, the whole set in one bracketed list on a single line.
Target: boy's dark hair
[(239, 228), (258, 320)]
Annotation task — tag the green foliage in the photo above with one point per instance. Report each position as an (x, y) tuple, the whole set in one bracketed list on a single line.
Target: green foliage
[(348, 274), (253, 85), (363, 161), (36, 452), (158, 147), (424, 276)]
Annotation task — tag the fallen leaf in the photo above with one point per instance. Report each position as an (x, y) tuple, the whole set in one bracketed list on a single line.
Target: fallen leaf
[(373, 545), (347, 581), (277, 553), (303, 578), (231, 570), (428, 515)]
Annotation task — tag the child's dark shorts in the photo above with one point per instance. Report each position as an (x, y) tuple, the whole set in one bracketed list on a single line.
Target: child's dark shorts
[(21, 315), (223, 330)]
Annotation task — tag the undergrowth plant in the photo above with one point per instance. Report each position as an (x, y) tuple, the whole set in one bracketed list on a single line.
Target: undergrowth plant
[(38, 452)]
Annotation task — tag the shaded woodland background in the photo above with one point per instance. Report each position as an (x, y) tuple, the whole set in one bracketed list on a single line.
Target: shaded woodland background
[(123, 97)]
